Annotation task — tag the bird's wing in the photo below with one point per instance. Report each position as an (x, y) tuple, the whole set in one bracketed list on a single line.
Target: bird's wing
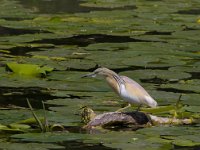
[(134, 85), (135, 89)]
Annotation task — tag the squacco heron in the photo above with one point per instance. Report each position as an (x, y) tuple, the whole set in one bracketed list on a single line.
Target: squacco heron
[(128, 89)]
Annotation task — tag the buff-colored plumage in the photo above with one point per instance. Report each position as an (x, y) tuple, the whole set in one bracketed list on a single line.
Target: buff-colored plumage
[(128, 89)]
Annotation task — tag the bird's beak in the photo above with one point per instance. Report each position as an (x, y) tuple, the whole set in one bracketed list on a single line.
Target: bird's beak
[(89, 75)]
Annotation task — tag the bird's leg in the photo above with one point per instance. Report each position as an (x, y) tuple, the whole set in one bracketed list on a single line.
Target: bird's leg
[(121, 109), (138, 109)]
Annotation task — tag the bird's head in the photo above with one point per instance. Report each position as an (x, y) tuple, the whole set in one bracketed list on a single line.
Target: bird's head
[(103, 72)]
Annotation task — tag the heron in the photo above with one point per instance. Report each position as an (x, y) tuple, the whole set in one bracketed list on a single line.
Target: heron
[(128, 89)]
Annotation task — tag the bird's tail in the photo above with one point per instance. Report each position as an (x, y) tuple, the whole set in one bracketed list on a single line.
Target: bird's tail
[(151, 102)]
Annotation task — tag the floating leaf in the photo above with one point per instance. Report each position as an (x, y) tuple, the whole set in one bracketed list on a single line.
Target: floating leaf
[(184, 143), (182, 87), (30, 121), (189, 140), (49, 137), (195, 109), (3, 127), (19, 126), (33, 146), (28, 69), (6, 129), (158, 74)]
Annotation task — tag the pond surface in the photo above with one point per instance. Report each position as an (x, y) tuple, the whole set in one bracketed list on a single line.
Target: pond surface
[(155, 42)]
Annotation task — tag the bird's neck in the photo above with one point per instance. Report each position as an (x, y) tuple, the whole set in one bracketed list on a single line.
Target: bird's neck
[(114, 81)]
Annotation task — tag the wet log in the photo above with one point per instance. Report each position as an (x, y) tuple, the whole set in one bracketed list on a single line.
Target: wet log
[(133, 119)]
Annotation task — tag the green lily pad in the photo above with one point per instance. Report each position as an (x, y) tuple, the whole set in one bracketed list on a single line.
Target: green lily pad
[(191, 99), (164, 98), (12, 116), (18, 12), (154, 61), (184, 143), (185, 68), (33, 146), (30, 121), (195, 109), (107, 4), (168, 131), (182, 87), (161, 74), (49, 137), (185, 140), (128, 140), (28, 69), (6, 129), (19, 126)]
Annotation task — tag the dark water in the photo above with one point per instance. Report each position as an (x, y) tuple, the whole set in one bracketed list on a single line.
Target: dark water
[(74, 145), (62, 6), (85, 40), (5, 31)]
